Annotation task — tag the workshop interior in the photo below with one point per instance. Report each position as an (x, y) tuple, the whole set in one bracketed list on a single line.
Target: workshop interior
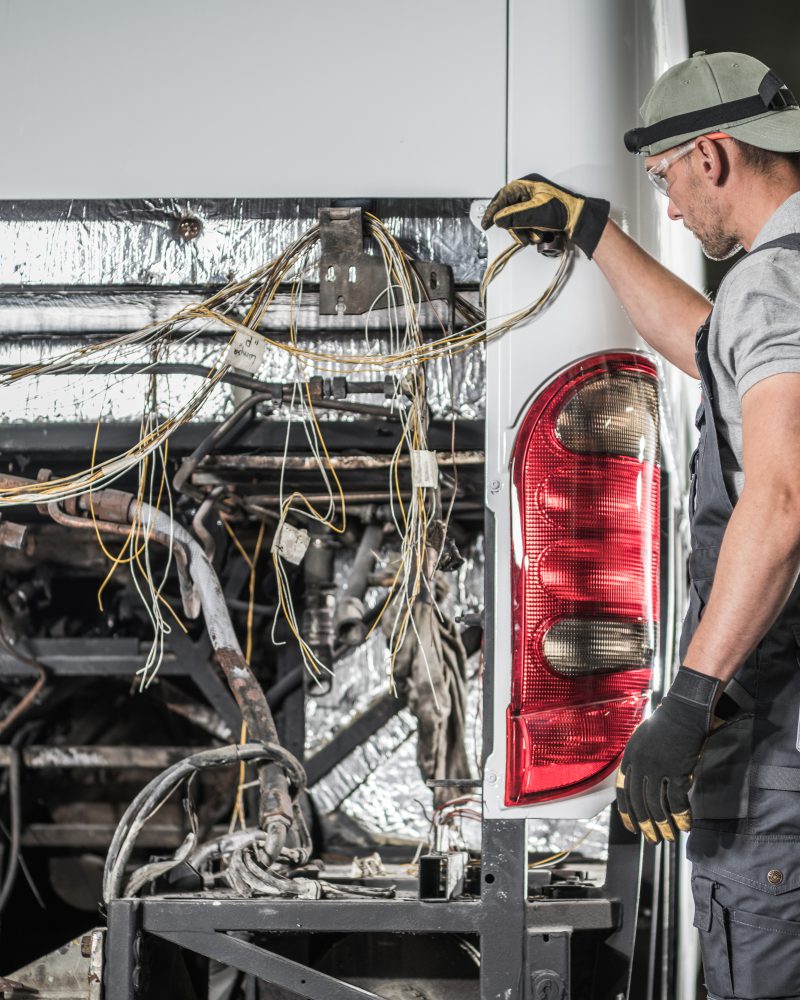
[(266, 731)]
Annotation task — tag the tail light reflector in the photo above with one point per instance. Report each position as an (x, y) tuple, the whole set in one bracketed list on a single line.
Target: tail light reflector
[(584, 575)]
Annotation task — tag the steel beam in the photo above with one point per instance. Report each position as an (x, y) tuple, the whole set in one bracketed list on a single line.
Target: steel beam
[(121, 972), (623, 879), (403, 916), (266, 965), (547, 958), (352, 736), (123, 657), (504, 889), (358, 436)]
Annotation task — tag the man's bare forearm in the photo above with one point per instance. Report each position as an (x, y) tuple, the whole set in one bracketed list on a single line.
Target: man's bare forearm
[(664, 309), (757, 568)]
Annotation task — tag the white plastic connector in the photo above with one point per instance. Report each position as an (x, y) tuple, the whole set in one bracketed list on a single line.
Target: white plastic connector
[(291, 543), (246, 351), (424, 470)]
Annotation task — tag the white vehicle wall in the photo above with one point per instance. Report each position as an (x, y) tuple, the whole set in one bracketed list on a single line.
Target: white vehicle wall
[(568, 111)]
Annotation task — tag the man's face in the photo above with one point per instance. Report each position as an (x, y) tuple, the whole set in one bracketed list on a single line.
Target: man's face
[(696, 203)]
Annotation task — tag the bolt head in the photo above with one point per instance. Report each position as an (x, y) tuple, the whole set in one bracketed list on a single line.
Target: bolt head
[(189, 227), (491, 777)]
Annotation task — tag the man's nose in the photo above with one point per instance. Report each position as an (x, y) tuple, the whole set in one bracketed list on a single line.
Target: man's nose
[(672, 211)]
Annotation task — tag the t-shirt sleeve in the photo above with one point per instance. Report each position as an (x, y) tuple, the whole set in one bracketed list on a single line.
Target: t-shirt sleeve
[(762, 321)]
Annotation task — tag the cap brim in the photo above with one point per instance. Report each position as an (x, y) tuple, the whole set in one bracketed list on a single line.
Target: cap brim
[(778, 131)]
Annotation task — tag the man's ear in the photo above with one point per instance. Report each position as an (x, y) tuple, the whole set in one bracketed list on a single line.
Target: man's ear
[(712, 161)]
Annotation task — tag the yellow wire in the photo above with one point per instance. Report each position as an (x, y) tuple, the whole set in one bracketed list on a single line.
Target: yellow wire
[(238, 811)]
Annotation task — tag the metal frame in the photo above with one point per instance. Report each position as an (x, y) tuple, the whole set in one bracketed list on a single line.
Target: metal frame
[(525, 944)]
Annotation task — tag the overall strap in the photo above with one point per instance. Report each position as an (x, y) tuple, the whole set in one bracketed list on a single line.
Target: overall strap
[(791, 241)]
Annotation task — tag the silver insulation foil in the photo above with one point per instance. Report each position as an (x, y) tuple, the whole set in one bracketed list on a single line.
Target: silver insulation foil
[(379, 784), (144, 243), (585, 837)]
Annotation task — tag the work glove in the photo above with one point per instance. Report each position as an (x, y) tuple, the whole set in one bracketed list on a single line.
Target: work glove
[(533, 206), (656, 772)]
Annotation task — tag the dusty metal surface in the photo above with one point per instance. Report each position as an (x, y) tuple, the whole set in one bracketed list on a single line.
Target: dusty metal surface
[(72, 972)]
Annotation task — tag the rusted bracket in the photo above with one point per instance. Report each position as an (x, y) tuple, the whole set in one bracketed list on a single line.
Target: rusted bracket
[(352, 282)]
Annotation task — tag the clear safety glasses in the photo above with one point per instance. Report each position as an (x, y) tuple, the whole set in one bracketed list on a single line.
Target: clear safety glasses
[(658, 173)]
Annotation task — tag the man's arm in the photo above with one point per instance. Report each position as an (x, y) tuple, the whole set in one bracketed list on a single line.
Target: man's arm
[(760, 555), (664, 309)]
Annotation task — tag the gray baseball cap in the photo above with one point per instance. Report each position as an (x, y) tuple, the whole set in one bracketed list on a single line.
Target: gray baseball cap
[(721, 92)]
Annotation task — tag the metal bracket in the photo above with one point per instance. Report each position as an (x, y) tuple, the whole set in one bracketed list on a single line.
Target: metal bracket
[(353, 282), (442, 875), (547, 964)]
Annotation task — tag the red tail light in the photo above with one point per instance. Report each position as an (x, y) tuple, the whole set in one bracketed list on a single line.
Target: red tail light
[(584, 575)]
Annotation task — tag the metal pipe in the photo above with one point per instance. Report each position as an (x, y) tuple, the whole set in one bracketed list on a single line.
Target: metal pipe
[(340, 462), (221, 434), (199, 526), (351, 629)]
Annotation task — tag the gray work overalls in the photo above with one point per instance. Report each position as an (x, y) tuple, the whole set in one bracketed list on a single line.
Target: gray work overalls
[(745, 839)]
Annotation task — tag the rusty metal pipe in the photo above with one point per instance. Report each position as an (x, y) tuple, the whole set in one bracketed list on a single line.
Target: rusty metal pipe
[(117, 508)]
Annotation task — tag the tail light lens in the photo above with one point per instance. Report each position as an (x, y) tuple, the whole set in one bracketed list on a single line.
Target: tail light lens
[(584, 575)]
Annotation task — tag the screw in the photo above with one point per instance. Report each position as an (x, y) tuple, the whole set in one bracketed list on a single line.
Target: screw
[(189, 227), (495, 486), (491, 777)]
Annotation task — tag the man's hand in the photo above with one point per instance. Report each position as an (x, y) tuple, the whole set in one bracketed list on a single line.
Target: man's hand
[(534, 205), (656, 771)]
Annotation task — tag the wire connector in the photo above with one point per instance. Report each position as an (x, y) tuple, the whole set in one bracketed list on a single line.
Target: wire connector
[(424, 470), (291, 543), (246, 351)]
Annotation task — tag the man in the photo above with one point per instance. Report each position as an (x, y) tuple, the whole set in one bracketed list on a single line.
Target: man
[(720, 140)]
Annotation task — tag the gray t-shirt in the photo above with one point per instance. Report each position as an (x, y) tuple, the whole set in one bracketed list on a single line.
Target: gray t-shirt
[(755, 331)]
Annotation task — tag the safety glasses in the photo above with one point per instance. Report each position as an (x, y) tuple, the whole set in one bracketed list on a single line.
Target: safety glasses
[(658, 172)]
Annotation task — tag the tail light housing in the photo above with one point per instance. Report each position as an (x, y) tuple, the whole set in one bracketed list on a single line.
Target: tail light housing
[(585, 570)]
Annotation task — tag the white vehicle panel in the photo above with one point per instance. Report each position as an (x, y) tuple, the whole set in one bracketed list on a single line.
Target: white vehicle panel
[(251, 99)]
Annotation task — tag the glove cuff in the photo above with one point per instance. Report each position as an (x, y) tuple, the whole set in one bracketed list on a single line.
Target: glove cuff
[(590, 225), (697, 690)]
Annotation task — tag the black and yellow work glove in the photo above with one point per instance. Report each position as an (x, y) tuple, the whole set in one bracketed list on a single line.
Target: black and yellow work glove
[(533, 206), (656, 771)]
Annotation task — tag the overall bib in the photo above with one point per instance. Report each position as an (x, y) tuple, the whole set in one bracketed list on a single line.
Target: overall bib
[(745, 839)]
